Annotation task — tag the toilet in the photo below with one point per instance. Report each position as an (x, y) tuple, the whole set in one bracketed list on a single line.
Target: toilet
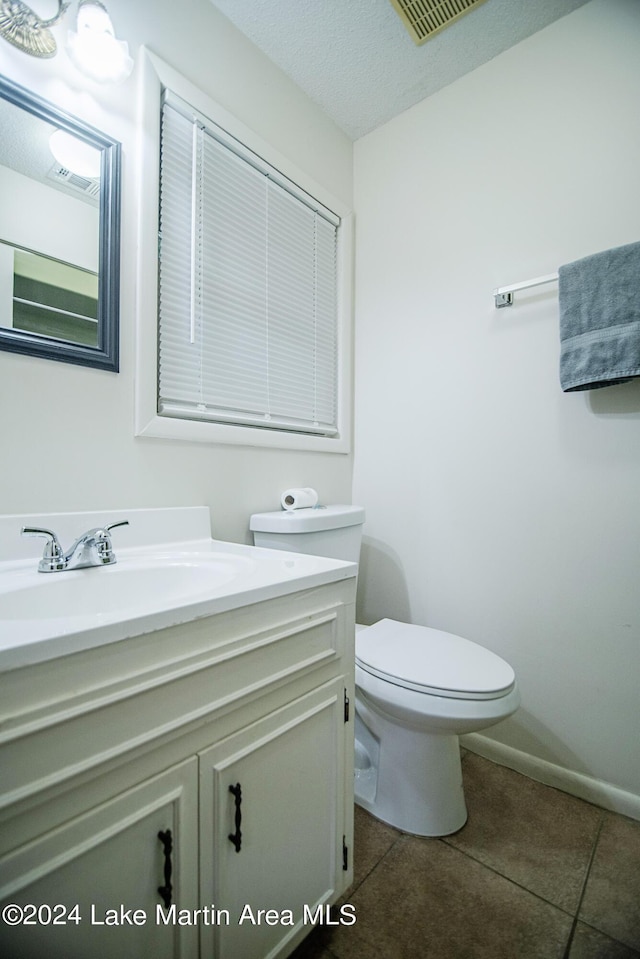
[(417, 690)]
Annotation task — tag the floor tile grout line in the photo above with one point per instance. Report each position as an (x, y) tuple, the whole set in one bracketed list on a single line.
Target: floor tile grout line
[(405, 837), (514, 882), (587, 873), (354, 888), (572, 913)]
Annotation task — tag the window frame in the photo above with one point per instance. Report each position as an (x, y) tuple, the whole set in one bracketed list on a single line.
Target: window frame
[(155, 77)]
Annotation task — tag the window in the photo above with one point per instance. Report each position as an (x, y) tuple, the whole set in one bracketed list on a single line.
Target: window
[(217, 416), (248, 286)]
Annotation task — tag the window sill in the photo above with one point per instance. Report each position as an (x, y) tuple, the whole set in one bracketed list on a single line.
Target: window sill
[(162, 427)]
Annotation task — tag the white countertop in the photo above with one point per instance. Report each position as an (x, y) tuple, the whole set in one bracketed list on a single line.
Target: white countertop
[(240, 575)]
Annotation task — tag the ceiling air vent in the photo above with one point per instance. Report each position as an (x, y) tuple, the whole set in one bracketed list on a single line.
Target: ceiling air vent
[(81, 184), (423, 18)]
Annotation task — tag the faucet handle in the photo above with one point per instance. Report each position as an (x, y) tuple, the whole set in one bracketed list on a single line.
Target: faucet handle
[(103, 541), (123, 522), (52, 557)]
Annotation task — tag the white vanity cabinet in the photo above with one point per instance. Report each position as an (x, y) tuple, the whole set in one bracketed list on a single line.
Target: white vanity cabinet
[(90, 886), (271, 823), (106, 751)]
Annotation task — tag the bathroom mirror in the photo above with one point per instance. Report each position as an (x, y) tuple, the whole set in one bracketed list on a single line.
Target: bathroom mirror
[(59, 233)]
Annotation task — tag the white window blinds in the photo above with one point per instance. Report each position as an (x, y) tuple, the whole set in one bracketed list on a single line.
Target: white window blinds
[(247, 286)]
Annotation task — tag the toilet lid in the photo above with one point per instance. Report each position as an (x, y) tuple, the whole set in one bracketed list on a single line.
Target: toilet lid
[(432, 661)]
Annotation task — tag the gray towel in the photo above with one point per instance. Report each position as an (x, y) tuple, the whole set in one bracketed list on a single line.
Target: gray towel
[(600, 319)]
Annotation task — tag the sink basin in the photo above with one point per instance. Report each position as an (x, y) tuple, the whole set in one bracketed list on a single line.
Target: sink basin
[(169, 572), (131, 584)]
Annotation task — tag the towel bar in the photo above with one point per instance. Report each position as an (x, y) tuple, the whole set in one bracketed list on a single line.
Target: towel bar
[(504, 294)]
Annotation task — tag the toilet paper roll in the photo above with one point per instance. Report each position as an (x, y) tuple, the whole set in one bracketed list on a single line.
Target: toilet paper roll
[(302, 498)]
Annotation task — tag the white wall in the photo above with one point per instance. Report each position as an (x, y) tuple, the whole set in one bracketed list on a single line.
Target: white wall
[(498, 507), (41, 232), (67, 433), (31, 215)]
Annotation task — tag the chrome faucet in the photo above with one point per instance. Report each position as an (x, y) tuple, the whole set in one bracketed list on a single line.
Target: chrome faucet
[(93, 548)]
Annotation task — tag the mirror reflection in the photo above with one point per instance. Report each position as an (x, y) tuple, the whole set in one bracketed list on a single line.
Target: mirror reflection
[(59, 234), (53, 299)]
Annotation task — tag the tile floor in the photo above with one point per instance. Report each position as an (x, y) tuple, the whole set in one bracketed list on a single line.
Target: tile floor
[(534, 874)]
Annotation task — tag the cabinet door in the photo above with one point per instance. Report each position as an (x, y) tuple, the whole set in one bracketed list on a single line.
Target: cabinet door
[(271, 821), (94, 881)]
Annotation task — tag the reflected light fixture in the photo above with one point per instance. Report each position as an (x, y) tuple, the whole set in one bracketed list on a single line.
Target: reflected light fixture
[(75, 155), (26, 30), (94, 48)]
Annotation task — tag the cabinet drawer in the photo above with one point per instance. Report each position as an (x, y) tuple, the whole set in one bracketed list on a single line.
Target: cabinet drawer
[(216, 664)]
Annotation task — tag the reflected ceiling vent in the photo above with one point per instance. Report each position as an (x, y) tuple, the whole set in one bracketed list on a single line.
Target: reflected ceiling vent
[(80, 184), (424, 18)]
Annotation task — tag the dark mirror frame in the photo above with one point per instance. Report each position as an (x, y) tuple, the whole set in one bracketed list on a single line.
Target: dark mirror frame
[(106, 355)]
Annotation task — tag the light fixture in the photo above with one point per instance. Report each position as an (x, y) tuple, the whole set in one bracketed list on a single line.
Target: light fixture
[(75, 155), (26, 30), (94, 48)]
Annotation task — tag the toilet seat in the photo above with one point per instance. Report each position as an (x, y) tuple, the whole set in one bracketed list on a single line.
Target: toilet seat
[(432, 662)]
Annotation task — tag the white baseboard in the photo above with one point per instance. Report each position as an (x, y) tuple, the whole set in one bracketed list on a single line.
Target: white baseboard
[(576, 784)]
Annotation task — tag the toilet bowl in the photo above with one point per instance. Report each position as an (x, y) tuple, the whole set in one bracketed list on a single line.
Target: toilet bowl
[(417, 690)]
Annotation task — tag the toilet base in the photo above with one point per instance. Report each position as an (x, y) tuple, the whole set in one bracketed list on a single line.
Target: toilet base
[(414, 783)]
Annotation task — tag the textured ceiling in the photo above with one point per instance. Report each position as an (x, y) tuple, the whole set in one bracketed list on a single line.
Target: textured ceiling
[(357, 61), (24, 147)]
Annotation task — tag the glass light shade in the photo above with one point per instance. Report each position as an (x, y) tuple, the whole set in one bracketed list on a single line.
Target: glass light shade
[(74, 154), (94, 48)]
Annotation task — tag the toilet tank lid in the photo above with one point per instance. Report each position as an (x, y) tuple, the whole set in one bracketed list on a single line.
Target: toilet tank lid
[(306, 520)]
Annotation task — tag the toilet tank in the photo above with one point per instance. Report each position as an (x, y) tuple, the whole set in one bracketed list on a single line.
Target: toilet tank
[(333, 531)]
